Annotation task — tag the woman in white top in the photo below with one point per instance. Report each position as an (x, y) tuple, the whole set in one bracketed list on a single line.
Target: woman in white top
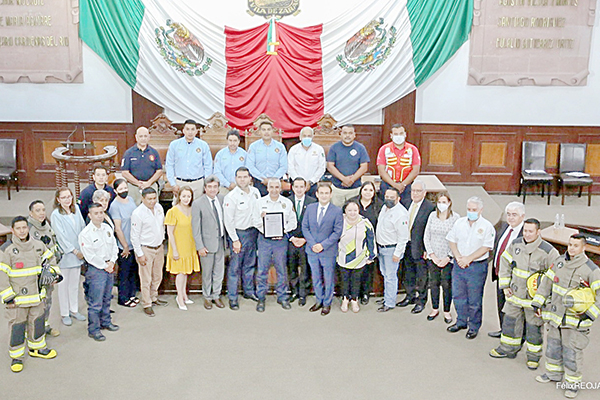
[(438, 255), (67, 223)]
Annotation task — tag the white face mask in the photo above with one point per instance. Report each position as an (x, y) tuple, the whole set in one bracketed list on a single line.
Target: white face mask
[(442, 206), (398, 139)]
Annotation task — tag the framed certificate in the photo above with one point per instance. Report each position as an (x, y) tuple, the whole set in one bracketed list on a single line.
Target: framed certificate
[(273, 225)]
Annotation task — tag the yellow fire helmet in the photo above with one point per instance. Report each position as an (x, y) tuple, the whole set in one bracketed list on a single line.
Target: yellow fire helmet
[(532, 283), (578, 300)]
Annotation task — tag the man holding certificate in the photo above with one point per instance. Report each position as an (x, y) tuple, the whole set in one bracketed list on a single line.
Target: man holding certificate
[(274, 218)]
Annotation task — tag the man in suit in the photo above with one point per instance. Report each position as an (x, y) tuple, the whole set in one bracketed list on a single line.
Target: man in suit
[(207, 219), (322, 228), (298, 276), (415, 268), (506, 232)]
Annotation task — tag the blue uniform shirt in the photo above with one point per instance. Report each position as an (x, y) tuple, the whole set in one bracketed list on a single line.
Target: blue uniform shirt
[(226, 164), (85, 198), (347, 160), (188, 160), (141, 164), (267, 161)]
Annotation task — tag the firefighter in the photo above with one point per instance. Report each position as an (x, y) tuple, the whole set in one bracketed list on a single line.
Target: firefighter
[(23, 292), (570, 296), (521, 266)]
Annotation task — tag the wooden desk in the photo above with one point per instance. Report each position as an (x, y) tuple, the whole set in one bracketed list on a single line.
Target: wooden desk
[(561, 238)]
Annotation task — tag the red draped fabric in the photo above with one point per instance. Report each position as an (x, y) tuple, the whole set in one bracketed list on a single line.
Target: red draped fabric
[(288, 87)]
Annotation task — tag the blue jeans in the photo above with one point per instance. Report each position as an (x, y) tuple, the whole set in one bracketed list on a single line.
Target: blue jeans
[(467, 293), (276, 251), (322, 268), (389, 270), (100, 285), (242, 264)]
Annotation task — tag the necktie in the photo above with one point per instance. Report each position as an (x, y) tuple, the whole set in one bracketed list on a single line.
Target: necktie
[(217, 216), (501, 250), (320, 218), (411, 218), (298, 210)]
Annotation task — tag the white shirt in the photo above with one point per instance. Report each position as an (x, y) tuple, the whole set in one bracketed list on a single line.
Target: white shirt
[(513, 236), (238, 210), (470, 238), (306, 163), (392, 228), (282, 204), (147, 228), (98, 245)]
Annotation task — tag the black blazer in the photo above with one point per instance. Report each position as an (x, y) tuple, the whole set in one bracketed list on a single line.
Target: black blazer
[(500, 229), (417, 233), (307, 200)]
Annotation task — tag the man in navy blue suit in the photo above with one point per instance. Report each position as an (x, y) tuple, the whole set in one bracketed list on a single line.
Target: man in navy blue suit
[(322, 227)]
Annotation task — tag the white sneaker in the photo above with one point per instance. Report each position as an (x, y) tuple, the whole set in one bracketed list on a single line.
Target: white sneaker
[(355, 307), (345, 305)]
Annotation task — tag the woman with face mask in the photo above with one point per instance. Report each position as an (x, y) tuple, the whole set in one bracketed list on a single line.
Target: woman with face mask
[(120, 210), (438, 254)]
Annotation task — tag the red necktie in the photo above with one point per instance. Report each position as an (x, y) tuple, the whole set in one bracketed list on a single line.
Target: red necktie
[(502, 248)]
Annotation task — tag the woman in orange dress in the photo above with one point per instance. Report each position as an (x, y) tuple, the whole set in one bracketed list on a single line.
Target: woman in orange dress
[(182, 259)]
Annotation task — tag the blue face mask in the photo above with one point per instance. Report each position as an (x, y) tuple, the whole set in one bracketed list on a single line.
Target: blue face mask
[(472, 215), (306, 142)]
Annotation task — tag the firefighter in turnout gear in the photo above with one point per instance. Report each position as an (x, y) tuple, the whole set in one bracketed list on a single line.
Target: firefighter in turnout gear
[(23, 293), (568, 324), (522, 264)]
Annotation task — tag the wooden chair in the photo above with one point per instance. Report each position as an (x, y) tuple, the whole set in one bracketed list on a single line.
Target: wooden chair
[(162, 133), (253, 134), (8, 164), (571, 170), (326, 132), (533, 168), (215, 133)]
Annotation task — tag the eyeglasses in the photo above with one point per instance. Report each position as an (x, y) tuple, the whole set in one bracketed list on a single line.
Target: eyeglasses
[(65, 197)]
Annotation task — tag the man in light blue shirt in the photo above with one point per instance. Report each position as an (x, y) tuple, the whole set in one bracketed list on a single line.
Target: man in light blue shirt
[(188, 160), (267, 158), (228, 160)]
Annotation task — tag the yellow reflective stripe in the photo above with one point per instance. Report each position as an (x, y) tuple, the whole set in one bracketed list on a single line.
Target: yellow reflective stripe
[(506, 255), (16, 273), (7, 293), (40, 344), (549, 316), (539, 299), (504, 282), (56, 269), (550, 274), (575, 322), (34, 298), (47, 254), (4, 267), (572, 378), (521, 273), (519, 302), (554, 367), (17, 353), (594, 311), (511, 341), (595, 285), (559, 289), (534, 348)]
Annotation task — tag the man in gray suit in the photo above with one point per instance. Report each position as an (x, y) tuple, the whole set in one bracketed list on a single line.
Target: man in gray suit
[(209, 235)]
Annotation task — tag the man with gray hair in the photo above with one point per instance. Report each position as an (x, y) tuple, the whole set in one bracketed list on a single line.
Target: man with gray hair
[(307, 160), (505, 234), (414, 266), (471, 239)]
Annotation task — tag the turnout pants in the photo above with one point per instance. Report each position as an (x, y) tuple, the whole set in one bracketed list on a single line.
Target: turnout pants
[(25, 322), (48, 304), (512, 331), (564, 353)]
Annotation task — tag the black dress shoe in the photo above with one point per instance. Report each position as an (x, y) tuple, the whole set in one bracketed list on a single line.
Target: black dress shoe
[(302, 301), (260, 306), (110, 327), (406, 302), (455, 328), (364, 300), (380, 301), (251, 297), (495, 334), (471, 334), (384, 309), (234, 305), (326, 310), (315, 307), (98, 337), (432, 317), (293, 298), (417, 309)]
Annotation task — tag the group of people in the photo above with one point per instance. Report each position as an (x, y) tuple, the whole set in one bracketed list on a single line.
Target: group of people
[(346, 229)]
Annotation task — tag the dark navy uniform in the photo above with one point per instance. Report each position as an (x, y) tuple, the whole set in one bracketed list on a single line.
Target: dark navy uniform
[(142, 164)]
